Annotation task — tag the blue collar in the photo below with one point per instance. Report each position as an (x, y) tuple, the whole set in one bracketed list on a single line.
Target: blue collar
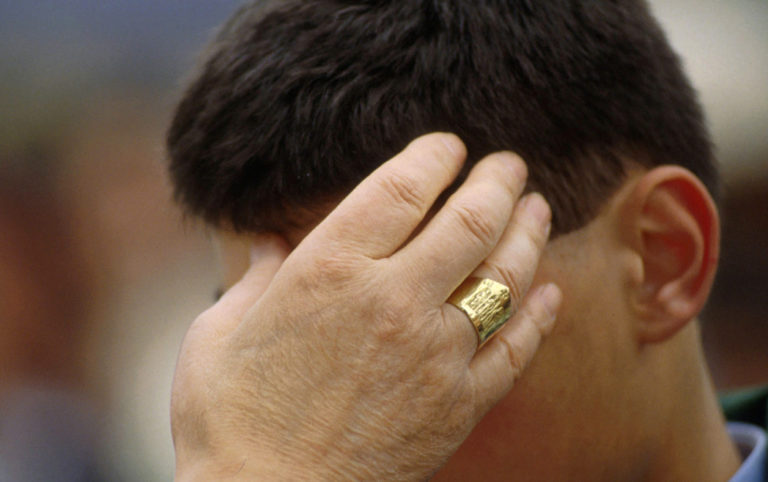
[(752, 443)]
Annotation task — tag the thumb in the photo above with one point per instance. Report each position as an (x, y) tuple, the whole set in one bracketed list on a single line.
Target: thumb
[(268, 252)]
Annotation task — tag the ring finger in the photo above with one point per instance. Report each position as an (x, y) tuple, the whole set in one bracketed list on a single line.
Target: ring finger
[(514, 260)]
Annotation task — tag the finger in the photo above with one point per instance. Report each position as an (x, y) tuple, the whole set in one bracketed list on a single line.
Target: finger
[(503, 359), (268, 253), (382, 212), (515, 259), (466, 229)]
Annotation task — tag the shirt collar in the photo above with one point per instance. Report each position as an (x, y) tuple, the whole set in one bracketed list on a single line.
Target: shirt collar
[(752, 443)]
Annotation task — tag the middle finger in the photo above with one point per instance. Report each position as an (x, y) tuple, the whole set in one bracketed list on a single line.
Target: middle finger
[(464, 231)]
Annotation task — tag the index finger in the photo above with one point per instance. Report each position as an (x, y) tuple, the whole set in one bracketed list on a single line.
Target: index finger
[(379, 215)]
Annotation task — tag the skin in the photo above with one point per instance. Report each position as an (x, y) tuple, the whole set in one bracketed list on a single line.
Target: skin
[(341, 360), (619, 390)]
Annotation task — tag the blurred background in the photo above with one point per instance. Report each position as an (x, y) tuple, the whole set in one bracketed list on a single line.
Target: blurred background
[(100, 275)]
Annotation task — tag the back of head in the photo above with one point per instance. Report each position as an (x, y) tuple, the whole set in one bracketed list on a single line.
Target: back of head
[(298, 100)]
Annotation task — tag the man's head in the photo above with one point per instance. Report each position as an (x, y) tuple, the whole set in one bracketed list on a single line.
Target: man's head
[(299, 100)]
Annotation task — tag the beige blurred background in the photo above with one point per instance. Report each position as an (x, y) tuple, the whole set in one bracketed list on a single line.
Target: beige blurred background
[(100, 275)]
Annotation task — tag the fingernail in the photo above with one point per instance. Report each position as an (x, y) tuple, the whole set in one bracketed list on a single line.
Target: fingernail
[(255, 253), (552, 297), (265, 245), (452, 143), (516, 165), (539, 209)]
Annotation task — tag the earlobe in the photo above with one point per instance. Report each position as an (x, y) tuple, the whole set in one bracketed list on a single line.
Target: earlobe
[(674, 227)]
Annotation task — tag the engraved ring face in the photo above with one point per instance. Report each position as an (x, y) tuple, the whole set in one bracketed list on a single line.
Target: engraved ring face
[(486, 303)]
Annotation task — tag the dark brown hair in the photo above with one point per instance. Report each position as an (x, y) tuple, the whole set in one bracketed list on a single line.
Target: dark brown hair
[(299, 100)]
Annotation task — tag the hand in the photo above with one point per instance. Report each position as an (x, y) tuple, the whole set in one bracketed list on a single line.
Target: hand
[(342, 360)]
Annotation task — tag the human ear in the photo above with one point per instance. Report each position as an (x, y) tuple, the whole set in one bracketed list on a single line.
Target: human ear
[(671, 223)]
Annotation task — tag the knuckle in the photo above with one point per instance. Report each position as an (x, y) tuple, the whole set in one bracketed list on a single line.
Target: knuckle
[(517, 292), (537, 236), (514, 280), (399, 319), (404, 191), (515, 356), (391, 310), (438, 145), (392, 325), (534, 231), (325, 277), (500, 171), (201, 330), (331, 270), (442, 376), (476, 223)]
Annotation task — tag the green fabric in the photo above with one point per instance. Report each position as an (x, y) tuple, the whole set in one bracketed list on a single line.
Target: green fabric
[(748, 405)]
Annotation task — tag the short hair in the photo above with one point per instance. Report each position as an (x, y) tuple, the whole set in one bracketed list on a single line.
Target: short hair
[(297, 101)]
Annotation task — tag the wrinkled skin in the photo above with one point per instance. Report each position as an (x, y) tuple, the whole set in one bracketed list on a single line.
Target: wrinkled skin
[(341, 359)]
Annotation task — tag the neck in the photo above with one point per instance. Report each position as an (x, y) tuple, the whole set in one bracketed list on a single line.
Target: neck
[(695, 444), (663, 424)]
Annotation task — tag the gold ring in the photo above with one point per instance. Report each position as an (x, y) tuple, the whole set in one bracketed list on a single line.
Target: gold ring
[(486, 303)]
